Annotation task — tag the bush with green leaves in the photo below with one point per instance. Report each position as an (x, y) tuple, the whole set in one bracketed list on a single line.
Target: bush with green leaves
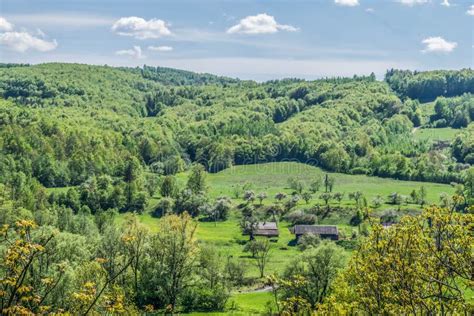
[(308, 241)]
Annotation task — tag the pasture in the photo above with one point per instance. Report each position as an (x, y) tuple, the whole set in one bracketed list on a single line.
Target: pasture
[(436, 134), (272, 178)]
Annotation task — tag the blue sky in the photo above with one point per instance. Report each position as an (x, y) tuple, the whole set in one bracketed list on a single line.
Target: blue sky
[(249, 39)]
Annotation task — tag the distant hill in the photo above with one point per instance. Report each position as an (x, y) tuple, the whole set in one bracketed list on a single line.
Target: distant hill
[(428, 85), (62, 123), (176, 77)]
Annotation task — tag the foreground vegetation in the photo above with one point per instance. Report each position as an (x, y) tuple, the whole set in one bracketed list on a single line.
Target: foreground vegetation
[(124, 191)]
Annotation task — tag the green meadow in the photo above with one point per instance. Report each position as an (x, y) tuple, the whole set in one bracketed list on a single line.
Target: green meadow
[(436, 134), (244, 304), (272, 178)]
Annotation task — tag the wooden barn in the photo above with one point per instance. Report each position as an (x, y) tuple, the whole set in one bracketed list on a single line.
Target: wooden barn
[(325, 232), (267, 229)]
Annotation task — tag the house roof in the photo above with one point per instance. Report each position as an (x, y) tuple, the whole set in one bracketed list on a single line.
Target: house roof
[(267, 229), (315, 229), (267, 225)]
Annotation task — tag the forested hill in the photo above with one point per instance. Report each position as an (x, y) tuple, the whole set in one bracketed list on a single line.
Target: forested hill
[(170, 76), (430, 84), (60, 124)]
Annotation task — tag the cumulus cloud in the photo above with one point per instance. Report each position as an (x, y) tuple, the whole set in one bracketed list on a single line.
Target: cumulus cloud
[(412, 2), (5, 25), (370, 10), (438, 45), (470, 11), (135, 52), (160, 48), (347, 3), (259, 24), (140, 28), (446, 3), (23, 41)]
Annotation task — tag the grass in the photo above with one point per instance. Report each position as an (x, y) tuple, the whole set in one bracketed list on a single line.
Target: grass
[(251, 302), (273, 177), (241, 304), (436, 134)]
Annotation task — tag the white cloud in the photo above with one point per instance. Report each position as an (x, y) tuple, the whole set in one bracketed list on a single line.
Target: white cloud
[(438, 45), (412, 2), (446, 3), (160, 48), (470, 11), (370, 10), (5, 25), (141, 28), (23, 41), (136, 52), (259, 24), (347, 3)]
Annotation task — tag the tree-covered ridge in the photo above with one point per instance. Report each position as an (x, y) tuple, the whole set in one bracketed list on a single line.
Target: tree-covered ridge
[(176, 77), (63, 123), (430, 84), (455, 112), (75, 85)]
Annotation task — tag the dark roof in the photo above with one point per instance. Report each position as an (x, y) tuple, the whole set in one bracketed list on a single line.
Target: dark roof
[(314, 229), (267, 225), (266, 229)]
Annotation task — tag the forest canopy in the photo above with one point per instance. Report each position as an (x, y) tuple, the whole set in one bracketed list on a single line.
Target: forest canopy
[(63, 123)]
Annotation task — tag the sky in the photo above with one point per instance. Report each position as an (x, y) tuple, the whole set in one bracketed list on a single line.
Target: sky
[(248, 39)]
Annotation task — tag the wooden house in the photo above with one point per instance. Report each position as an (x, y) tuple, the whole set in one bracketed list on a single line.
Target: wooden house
[(267, 229)]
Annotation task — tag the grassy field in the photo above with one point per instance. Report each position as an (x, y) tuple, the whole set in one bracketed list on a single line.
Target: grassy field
[(272, 178), (436, 134), (244, 304)]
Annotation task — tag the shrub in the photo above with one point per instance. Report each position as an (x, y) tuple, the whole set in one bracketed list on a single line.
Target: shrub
[(348, 244), (389, 216), (165, 206), (205, 299), (235, 272), (190, 202), (308, 241)]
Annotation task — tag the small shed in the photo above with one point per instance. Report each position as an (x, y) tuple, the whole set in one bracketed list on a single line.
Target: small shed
[(325, 232), (267, 229)]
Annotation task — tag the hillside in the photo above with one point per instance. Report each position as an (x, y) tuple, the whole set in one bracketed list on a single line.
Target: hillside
[(354, 126), (155, 190)]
